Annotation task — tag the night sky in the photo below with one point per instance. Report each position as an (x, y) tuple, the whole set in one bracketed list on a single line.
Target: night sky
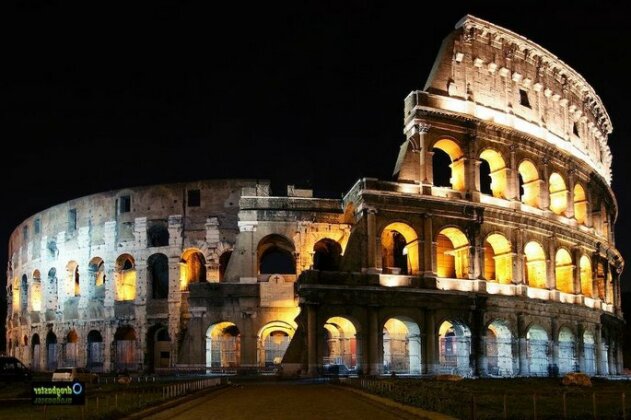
[(310, 93)]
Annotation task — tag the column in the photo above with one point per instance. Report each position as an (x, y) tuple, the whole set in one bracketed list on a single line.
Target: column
[(522, 346), (478, 344), (428, 246), (576, 259), (600, 353), (312, 348), (371, 230), (248, 343), (423, 129), (550, 263), (430, 344), (518, 259), (580, 347), (512, 177), (554, 342), (374, 355), (544, 190), (569, 212)]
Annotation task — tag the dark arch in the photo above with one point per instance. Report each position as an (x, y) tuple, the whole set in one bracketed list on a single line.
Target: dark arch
[(158, 234), (224, 259), (485, 177), (158, 268), (96, 349), (158, 347), (276, 255), (51, 351), (24, 293), (327, 254), (441, 164), (126, 354), (35, 352)]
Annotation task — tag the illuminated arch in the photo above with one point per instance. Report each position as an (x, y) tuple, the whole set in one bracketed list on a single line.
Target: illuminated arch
[(96, 269), (589, 350), (499, 353), (452, 253), (498, 172), (530, 183), (537, 350), (558, 193), (340, 347), (72, 274), (600, 281), (564, 271), (273, 340), (71, 349), (276, 255), (453, 150), (455, 348), (192, 268), (36, 292), (498, 259), (223, 346), (125, 277), (585, 266), (535, 265), (401, 346), (400, 248), (567, 351), (580, 204)]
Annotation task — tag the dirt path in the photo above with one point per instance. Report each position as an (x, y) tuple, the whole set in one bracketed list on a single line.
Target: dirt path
[(282, 401)]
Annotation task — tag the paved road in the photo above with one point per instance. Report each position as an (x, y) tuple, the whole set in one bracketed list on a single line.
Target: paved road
[(282, 401)]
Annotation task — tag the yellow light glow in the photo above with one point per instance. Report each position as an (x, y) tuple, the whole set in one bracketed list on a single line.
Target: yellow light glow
[(564, 271), (411, 249), (498, 259), (498, 172), (586, 276), (535, 265), (457, 162), (36, 296), (125, 278), (558, 194), (452, 253), (580, 204), (531, 184)]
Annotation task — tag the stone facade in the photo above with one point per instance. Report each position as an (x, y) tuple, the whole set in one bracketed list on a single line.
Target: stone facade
[(507, 268)]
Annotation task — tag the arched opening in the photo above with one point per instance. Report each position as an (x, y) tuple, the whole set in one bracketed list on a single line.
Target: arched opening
[(600, 281), (192, 268), (589, 350), (452, 254), (223, 346), (36, 292), (567, 351), (126, 353), (585, 266), (455, 348), (24, 294), (537, 351), (224, 259), (529, 183), (273, 340), (401, 347), (580, 204), (535, 265), (96, 269), (72, 273), (340, 345), (499, 349), (276, 255), (457, 172), (125, 276), (158, 270), (159, 347), (558, 194), (51, 351), (35, 353), (327, 255), (96, 348), (399, 249), (564, 271), (495, 181), (51, 302), (498, 259), (71, 349)]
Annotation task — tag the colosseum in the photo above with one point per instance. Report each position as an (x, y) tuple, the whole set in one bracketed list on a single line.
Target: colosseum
[(490, 252)]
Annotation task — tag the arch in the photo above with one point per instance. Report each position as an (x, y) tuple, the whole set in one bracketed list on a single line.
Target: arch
[(71, 349), (223, 346), (564, 271), (530, 183), (224, 259), (96, 269), (589, 350), (24, 293), (455, 348), (37, 276), (126, 343), (499, 349), (535, 265), (453, 150), (498, 259), (192, 268), (340, 343), (558, 193), (585, 266), (497, 173), (35, 353), (400, 249), (327, 255), (401, 346), (72, 273), (568, 361), (580, 204), (36, 292), (276, 255), (96, 351), (158, 272), (452, 253), (273, 340), (125, 277), (600, 281), (537, 350), (51, 351), (158, 347)]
